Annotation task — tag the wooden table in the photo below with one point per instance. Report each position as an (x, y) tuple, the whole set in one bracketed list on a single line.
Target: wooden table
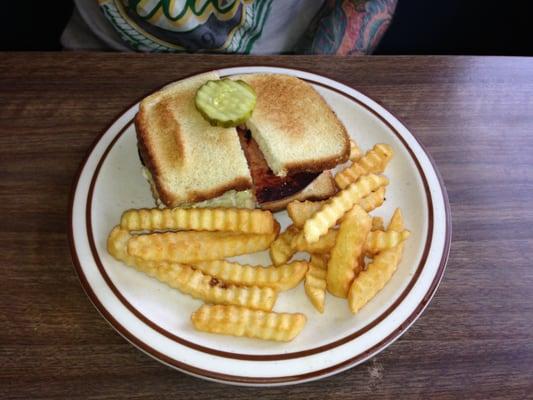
[(474, 115)]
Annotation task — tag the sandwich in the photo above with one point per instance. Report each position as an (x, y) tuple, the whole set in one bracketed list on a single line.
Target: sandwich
[(283, 152)]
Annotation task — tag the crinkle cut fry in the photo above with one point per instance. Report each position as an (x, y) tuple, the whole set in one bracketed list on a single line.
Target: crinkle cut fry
[(301, 211), (280, 249), (343, 201), (355, 151), (344, 262), (199, 219), (322, 245), (377, 224), (373, 200), (374, 161), (191, 281), (241, 321), (315, 281), (189, 247), (368, 283), (282, 277), (378, 240)]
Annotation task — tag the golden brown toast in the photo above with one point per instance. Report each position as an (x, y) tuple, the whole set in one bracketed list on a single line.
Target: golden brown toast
[(293, 125), (190, 160)]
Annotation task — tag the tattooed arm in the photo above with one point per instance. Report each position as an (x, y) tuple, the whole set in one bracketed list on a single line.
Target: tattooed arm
[(345, 27)]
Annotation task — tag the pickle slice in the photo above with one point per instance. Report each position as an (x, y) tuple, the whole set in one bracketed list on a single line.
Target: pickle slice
[(225, 102)]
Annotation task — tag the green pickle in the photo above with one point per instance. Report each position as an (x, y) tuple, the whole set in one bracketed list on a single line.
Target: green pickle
[(225, 102)]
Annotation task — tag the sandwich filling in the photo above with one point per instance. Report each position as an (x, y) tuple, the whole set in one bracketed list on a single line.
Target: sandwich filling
[(268, 186)]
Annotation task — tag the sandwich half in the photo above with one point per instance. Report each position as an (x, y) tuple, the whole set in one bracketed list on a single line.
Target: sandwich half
[(187, 160), (283, 152), (294, 127), (291, 141)]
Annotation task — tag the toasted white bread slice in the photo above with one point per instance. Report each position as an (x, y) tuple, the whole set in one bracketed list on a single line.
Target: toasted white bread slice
[(190, 160), (293, 125), (232, 198), (321, 188)]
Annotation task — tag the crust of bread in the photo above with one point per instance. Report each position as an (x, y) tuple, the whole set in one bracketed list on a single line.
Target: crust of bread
[(293, 125), (190, 160), (290, 115), (321, 188)]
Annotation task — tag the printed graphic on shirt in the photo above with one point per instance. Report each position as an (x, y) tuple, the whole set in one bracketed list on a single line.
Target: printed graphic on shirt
[(228, 26)]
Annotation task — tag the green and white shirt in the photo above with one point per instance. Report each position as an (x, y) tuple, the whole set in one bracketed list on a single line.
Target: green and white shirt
[(229, 26), (220, 26)]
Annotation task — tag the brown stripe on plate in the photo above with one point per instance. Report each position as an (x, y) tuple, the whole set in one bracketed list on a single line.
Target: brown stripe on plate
[(250, 380), (241, 356)]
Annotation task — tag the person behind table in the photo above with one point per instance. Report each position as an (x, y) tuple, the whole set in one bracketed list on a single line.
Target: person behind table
[(341, 27)]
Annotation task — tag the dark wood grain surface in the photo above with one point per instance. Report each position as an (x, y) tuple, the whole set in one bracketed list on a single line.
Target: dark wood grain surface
[(474, 115)]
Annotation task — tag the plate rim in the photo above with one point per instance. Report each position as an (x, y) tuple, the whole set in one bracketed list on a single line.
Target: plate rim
[(315, 374), (261, 357)]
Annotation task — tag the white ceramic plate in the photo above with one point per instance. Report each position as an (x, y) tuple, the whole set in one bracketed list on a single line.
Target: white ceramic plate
[(156, 318)]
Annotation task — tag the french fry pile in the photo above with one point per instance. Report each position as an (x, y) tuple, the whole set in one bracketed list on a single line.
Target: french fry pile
[(352, 255), (186, 249)]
